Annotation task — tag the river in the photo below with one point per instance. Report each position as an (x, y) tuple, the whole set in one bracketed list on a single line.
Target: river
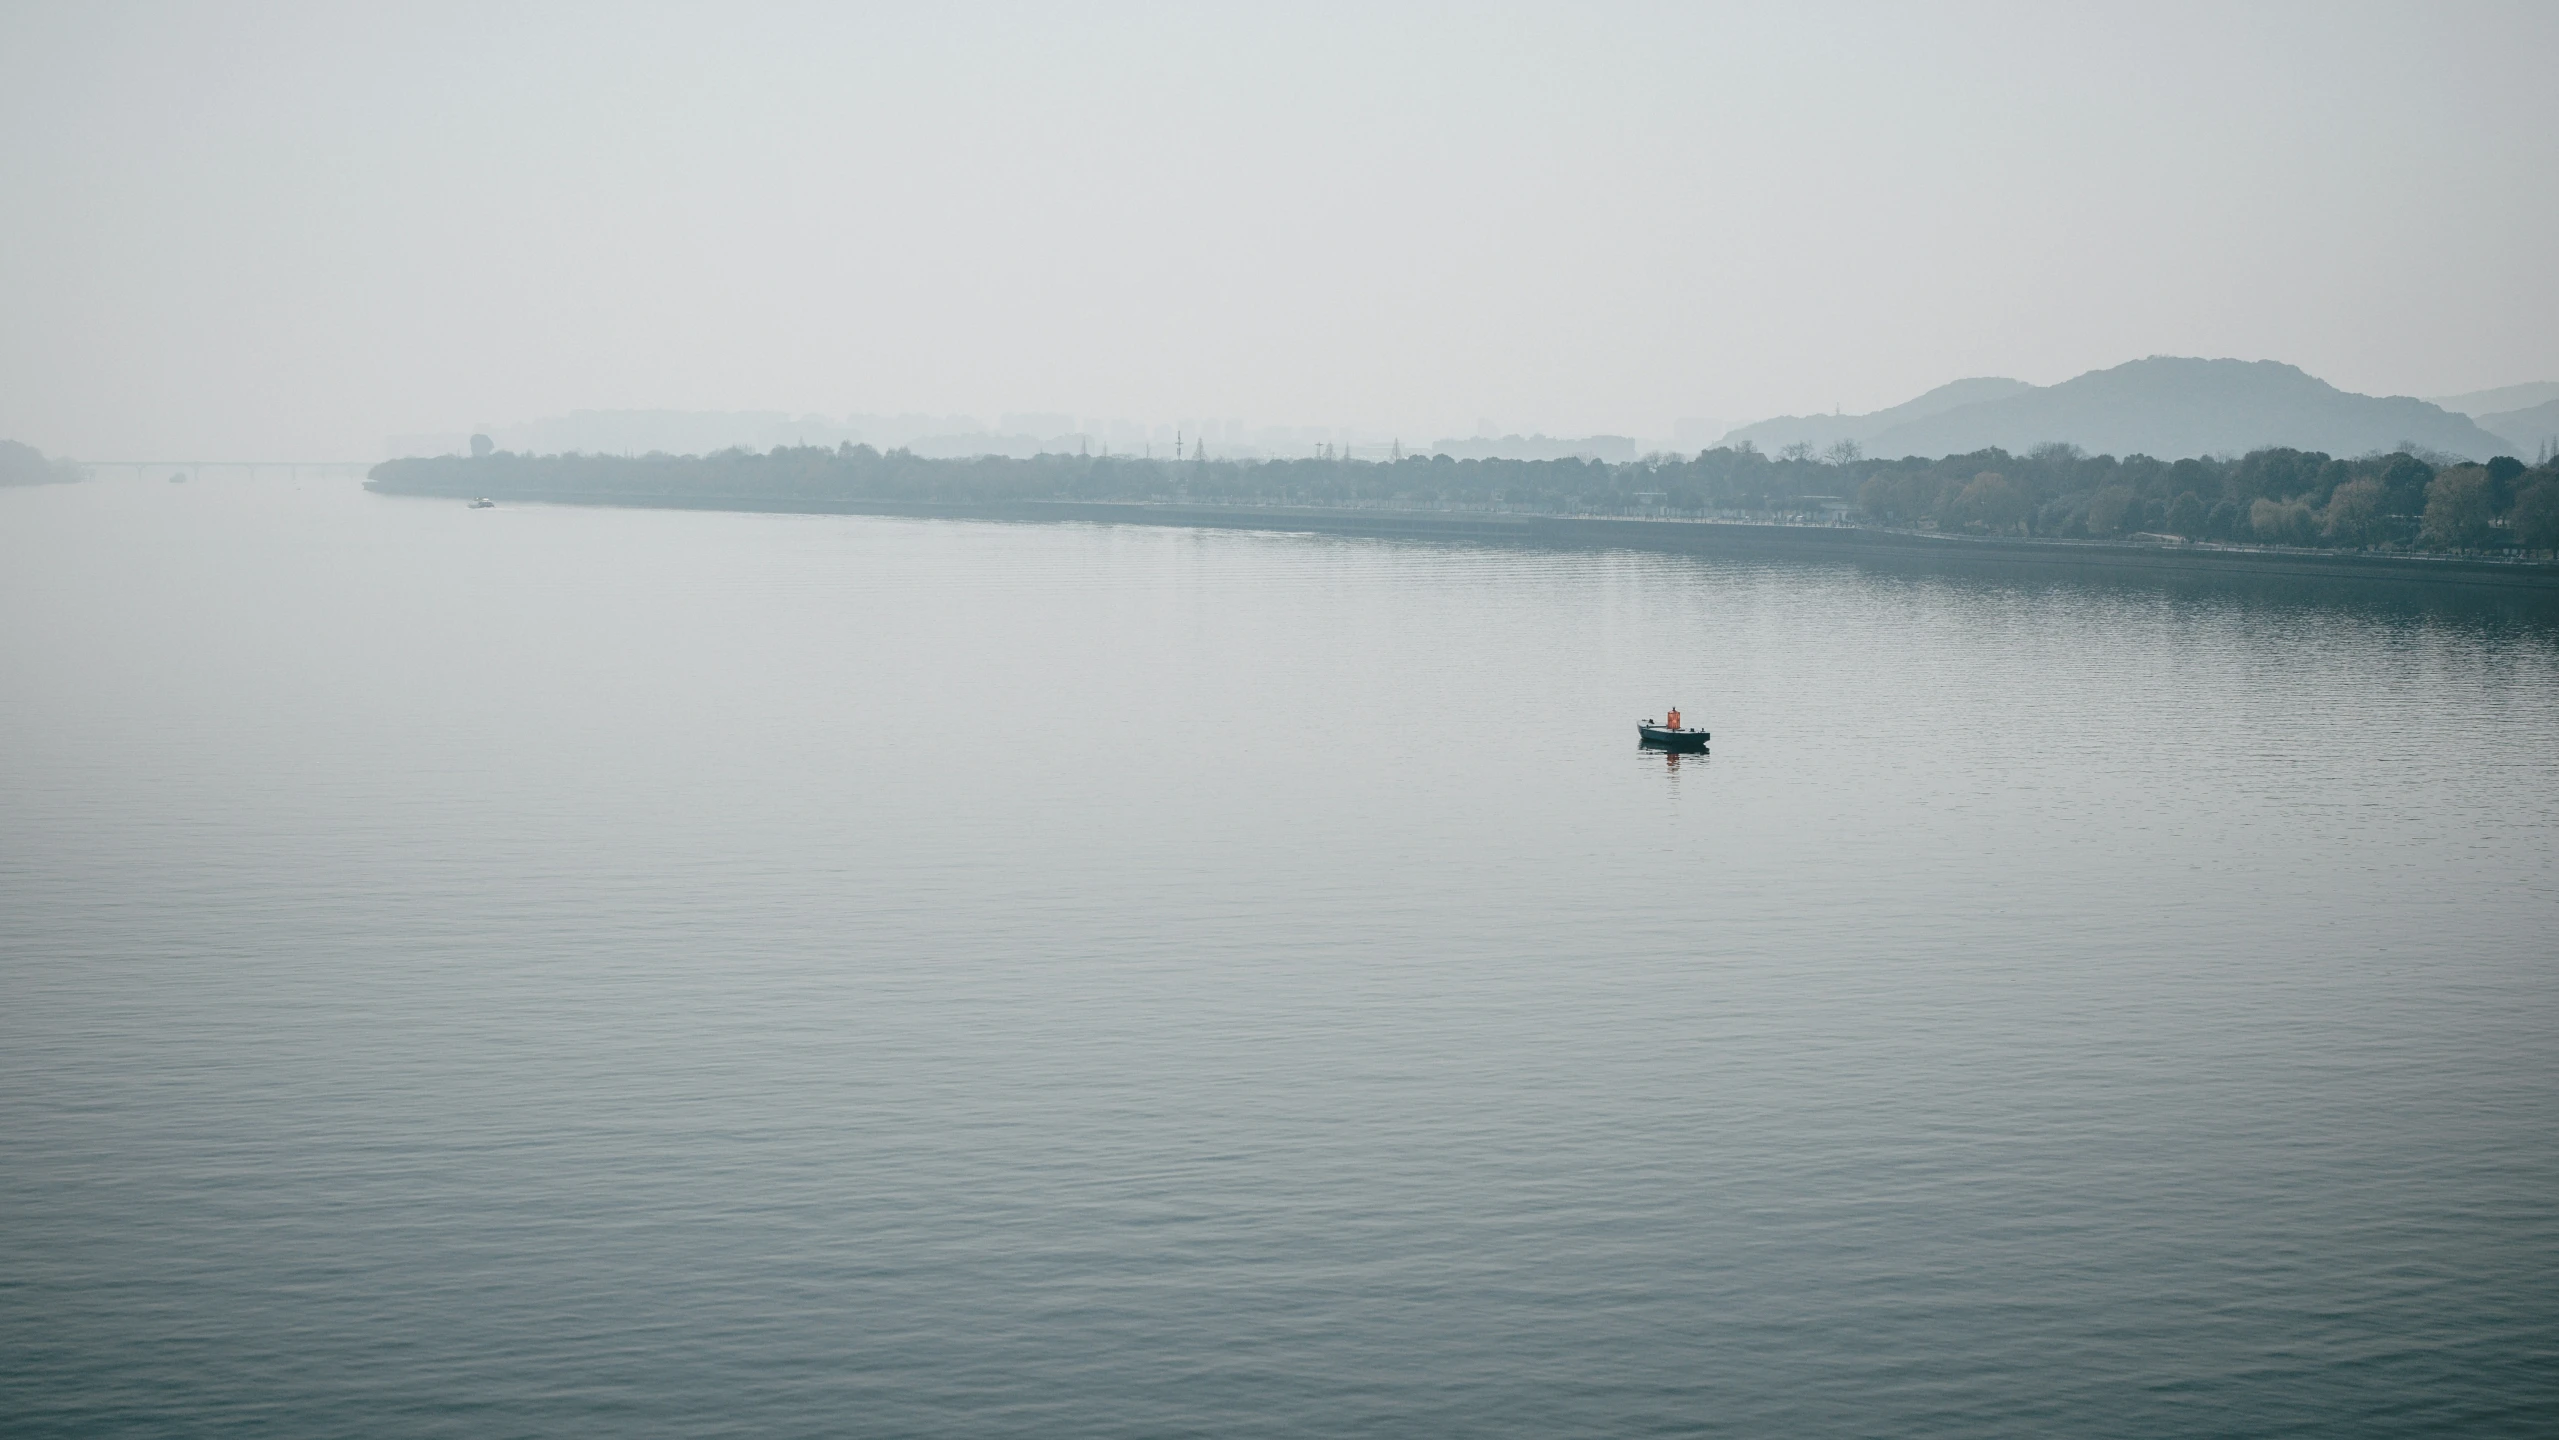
[(548, 970)]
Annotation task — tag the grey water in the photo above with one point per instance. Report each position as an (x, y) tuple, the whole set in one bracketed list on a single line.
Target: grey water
[(556, 971)]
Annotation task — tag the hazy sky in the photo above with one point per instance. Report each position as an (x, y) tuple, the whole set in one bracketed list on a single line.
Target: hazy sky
[(288, 232)]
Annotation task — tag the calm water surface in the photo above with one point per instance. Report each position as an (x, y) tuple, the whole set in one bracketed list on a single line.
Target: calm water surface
[(560, 971)]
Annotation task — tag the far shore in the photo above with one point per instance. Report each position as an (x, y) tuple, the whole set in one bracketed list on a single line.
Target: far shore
[(1772, 539)]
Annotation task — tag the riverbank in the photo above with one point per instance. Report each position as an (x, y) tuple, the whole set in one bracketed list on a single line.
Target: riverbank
[(1770, 539)]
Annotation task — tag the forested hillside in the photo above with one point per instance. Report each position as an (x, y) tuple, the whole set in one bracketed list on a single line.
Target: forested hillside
[(2290, 497)]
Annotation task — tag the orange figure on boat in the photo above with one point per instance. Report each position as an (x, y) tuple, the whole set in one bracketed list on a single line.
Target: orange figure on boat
[(1670, 736)]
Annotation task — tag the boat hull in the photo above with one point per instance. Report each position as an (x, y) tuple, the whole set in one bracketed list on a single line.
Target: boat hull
[(1662, 737)]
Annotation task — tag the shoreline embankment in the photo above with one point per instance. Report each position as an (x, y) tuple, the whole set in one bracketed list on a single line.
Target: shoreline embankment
[(1765, 539)]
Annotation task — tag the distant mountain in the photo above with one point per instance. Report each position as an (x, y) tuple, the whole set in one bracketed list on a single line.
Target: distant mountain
[(2527, 432), (2480, 403), (2171, 408), (1823, 431)]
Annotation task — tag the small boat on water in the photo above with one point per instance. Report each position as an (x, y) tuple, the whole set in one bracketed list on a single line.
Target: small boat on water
[(1669, 735), (484, 503)]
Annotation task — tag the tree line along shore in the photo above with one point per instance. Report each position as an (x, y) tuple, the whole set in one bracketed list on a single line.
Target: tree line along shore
[(2398, 502)]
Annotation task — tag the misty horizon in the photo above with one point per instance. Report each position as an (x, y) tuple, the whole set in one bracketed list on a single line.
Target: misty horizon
[(1024, 434), (1381, 221)]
